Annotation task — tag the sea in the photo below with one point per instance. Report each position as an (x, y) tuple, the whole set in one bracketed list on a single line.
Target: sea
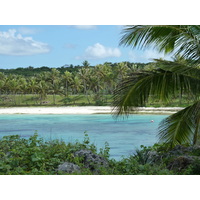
[(124, 136)]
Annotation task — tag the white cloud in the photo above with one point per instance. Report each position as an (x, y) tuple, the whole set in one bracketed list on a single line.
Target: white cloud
[(15, 44), (98, 51), (147, 55), (84, 27)]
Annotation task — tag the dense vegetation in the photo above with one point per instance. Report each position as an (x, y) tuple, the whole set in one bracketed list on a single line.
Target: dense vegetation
[(70, 85), (35, 156), (35, 84)]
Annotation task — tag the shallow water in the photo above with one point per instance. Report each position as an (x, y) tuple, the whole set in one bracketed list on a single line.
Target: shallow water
[(123, 136)]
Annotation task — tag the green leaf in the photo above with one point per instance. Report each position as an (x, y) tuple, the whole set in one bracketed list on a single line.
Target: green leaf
[(181, 127)]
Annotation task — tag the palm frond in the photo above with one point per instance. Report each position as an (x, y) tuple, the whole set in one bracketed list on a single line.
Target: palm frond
[(188, 74), (181, 127), (184, 67), (160, 84), (180, 39)]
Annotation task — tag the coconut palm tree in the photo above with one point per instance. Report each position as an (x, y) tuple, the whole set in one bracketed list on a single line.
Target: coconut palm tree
[(86, 64), (84, 73), (53, 77), (67, 78), (122, 70), (42, 90), (14, 87), (76, 85), (23, 87), (169, 78), (32, 87)]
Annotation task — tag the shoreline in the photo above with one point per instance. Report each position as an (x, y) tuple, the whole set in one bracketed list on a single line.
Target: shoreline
[(84, 110)]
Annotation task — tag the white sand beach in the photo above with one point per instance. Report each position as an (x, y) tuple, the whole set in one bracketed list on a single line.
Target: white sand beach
[(83, 110)]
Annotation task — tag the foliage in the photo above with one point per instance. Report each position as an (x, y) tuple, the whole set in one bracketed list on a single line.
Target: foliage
[(84, 85), (180, 39), (193, 169), (94, 82), (35, 156)]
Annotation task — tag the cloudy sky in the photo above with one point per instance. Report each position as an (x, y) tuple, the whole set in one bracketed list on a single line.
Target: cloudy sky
[(57, 45)]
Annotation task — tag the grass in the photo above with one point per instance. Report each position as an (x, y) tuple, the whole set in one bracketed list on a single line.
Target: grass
[(78, 100), (34, 100)]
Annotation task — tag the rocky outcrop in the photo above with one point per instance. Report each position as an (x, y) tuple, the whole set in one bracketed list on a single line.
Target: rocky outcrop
[(87, 159), (180, 150), (178, 158), (68, 167), (91, 160), (182, 162)]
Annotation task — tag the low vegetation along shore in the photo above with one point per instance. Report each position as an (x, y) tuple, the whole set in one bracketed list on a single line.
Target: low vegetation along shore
[(34, 156)]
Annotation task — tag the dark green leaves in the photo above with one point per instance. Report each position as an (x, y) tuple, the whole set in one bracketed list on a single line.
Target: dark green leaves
[(181, 127), (180, 39), (164, 83)]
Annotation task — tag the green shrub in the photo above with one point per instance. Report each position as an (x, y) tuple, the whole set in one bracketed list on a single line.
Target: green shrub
[(33, 155)]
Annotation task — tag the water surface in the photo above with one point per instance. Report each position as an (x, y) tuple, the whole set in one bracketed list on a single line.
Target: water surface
[(123, 136)]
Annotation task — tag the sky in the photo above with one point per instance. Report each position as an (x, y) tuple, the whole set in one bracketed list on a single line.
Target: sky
[(59, 45)]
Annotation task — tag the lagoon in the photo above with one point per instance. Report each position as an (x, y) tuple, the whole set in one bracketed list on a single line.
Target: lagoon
[(123, 136)]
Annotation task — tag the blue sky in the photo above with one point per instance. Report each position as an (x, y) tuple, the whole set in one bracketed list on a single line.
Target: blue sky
[(57, 45)]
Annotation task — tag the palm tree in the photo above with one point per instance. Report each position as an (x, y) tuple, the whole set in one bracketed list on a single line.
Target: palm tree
[(67, 78), (55, 89), (32, 87), (86, 64), (84, 76), (23, 87), (42, 90), (122, 70), (13, 86), (76, 85), (169, 78), (53, 77)]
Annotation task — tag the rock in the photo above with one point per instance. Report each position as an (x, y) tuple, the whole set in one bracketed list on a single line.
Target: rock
[(180, 150), (181, 162), (68, 167), (91, 160), (153, 156)]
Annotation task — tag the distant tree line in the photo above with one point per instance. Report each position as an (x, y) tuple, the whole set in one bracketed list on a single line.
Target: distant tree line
[(96, 81), (30, 71)]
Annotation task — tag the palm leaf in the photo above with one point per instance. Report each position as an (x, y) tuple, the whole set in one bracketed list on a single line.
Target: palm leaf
[(160, 84), (180, 39), (187, 72), (181, 127)]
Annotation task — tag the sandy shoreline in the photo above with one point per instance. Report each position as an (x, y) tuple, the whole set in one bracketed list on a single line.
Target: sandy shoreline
[(83, 110)]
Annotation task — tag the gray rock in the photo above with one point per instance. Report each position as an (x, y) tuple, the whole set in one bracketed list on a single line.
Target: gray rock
[(68, 167), (182, 162), (91, 160), (180, 150), (153, 157)]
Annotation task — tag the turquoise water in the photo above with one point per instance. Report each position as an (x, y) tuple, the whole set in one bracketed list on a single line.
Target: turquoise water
[(123, 136)]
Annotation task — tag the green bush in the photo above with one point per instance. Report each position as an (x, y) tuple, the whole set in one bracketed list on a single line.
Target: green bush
[(33, 155)]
